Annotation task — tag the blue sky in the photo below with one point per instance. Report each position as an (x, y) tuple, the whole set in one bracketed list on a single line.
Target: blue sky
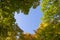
[(29, 22)]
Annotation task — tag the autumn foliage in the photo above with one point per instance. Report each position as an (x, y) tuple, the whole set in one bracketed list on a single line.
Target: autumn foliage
[(49, 28)]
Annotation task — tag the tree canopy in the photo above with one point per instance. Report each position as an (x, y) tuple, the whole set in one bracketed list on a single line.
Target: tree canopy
[(10, 6), (8, 28), (49, 29)]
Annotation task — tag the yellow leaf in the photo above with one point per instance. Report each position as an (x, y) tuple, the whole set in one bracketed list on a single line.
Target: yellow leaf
[(43, 25), (9, 33)]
